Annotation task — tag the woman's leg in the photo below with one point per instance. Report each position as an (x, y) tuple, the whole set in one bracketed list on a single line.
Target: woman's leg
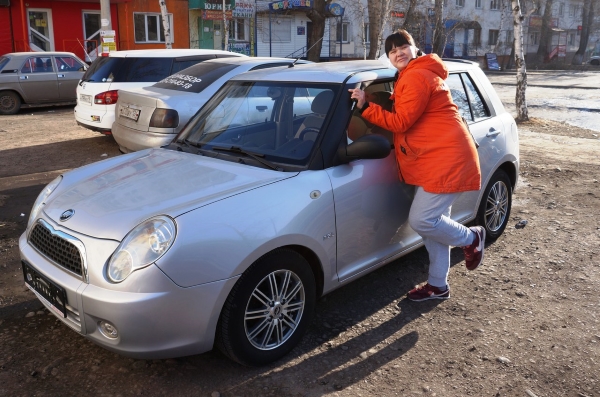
[(430, 217)]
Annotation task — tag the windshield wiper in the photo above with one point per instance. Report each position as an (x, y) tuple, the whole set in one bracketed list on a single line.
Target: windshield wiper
[(256, 156), (190, 143)]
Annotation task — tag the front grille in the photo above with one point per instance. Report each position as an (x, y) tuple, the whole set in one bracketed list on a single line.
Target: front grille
[(56, 248)]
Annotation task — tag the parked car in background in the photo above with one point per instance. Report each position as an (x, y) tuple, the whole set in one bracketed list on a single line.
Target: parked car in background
[(151, 116), (228, 235), (38, 78), (595, 60), (98, 91)]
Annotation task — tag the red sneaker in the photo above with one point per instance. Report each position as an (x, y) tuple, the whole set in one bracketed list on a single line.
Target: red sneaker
[(474, 252), (426, 291)]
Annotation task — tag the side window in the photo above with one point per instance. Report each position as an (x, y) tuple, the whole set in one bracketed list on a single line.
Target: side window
[(68, 64), (37, 65), (478, 107), (459, 96)]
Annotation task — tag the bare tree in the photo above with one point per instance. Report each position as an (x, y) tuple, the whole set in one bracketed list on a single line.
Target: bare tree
[(315, 40), (414, 21), (379, 15), (166, 24), (587, 16), (545, 34), (520, 100), (357, 11), (439, 31)]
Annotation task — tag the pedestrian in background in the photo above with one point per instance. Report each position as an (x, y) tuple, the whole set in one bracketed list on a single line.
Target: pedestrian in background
[(435, 152)]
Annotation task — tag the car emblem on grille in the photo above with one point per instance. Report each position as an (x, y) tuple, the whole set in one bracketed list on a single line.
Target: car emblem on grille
[(65, 216)]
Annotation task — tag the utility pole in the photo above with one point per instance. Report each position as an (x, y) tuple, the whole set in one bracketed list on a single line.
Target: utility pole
[(107, 35)]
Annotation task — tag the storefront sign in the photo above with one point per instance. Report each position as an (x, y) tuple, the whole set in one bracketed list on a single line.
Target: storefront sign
[(290, 4), (397, 14), (240, 48), (212, 15), (243, 10), (335, 9)]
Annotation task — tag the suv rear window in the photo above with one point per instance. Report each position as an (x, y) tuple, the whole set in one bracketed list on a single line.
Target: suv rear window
[(134, 70), (195, 78)]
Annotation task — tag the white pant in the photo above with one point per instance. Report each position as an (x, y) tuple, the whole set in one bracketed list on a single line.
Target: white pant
[(430, 217)]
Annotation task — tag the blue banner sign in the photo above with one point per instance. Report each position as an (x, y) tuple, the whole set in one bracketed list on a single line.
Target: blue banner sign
[(290, 4)]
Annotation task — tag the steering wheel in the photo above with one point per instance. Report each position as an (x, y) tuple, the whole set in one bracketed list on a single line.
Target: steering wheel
[(307, 130)]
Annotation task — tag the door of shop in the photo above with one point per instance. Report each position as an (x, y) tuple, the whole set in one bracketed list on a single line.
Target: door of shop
[(205, 34)]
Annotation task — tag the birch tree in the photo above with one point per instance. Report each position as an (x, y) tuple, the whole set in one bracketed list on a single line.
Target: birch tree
[(166, 24), (520, 100), (225, 29)]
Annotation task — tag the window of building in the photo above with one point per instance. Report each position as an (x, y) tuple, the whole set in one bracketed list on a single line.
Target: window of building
[(148, 27), (366, 33), (571, 39), (460, 3), (494, 4), (572, 10), (509, 37), (341, 32), (534, 38), (238, 29), (281, 30), (561, 9), (477, 3), (492, 36)]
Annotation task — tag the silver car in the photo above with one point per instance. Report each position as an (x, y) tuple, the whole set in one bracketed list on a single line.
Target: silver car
[(38, 78), (229, 235), (151, 116)]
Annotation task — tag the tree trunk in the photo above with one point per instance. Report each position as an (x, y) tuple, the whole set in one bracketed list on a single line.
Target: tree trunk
[(546, 34), (225, 29), (315, 40), (520, 100), (166, 24), (439, 32), (587, 19)]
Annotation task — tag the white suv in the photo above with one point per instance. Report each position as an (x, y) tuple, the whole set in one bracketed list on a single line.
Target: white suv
[(97, 92)]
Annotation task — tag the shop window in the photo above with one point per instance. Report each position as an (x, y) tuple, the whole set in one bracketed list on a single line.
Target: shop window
[(148, 27)]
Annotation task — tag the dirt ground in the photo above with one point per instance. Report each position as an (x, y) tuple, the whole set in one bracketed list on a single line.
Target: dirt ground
[(524, 324)]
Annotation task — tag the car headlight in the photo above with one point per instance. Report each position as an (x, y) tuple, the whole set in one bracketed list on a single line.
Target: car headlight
[(41, 200), (145, 244)]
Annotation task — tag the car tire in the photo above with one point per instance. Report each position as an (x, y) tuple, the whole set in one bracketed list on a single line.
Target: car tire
[(496, 202), (595, 62), (10, 102), (253, 311)]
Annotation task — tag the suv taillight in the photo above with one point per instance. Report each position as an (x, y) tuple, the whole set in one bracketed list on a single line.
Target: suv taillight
[(164, 118), (107, 98)]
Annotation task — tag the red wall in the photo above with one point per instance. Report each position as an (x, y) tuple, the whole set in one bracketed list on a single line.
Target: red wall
[(67, 24), (6, 42)]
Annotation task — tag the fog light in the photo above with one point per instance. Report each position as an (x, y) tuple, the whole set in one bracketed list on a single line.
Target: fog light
[(108, 330)]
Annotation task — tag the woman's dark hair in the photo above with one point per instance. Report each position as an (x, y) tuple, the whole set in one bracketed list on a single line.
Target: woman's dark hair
[(398, 39)]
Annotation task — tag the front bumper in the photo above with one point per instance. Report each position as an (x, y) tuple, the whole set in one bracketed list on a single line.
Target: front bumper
[(154, 317)]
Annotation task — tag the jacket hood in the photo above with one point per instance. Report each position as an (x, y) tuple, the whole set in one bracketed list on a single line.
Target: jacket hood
[(431, 62)]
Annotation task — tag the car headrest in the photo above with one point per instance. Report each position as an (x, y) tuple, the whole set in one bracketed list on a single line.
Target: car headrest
[(322, 101), (39, 62)]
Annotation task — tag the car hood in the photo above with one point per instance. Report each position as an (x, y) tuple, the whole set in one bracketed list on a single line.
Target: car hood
[(111, 197)]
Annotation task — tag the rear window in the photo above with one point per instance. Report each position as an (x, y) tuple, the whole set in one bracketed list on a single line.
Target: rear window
[(134, 70), (195, 78)]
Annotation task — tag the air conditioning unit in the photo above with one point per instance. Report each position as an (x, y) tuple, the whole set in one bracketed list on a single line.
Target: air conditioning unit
[(4, 3)]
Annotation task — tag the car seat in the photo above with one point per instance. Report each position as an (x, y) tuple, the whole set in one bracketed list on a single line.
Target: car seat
[(310, 127), (48, 67), (39, 65)]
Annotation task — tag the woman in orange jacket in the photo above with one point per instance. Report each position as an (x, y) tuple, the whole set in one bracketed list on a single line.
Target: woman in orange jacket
[(435, 152)]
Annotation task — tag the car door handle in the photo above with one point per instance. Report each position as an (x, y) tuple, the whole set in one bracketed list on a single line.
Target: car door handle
[(261, 108), (61, 75), (492, 133), (23, 77)]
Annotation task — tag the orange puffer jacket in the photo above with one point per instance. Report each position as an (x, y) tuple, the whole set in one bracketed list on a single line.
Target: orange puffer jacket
[(433, 146)]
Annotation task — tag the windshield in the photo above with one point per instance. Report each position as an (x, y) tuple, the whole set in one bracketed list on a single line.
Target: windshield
[(278, 121)]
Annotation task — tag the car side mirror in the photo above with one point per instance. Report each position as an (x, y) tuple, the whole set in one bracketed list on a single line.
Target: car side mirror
[(365, 147)]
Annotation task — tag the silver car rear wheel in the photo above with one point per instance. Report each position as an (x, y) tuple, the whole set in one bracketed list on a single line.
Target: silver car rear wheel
[(494, 209), (274, 309)]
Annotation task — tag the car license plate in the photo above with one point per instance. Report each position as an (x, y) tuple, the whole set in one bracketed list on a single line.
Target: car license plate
[(52, 293), (130, 113), (87, 99)]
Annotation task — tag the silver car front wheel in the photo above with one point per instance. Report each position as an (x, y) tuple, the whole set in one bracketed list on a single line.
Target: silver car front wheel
[(494, 209), (268, 309)]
